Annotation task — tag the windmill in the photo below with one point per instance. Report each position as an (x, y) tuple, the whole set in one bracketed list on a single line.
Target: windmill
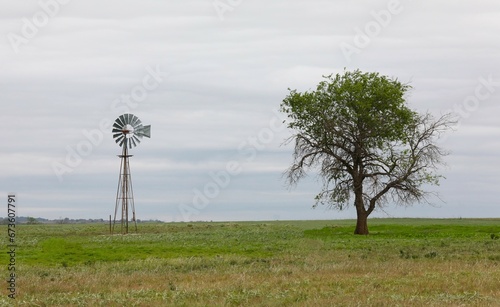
[(127, 132)]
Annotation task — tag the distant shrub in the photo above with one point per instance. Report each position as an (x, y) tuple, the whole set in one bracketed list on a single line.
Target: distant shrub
[(407, 255), (431, 255)]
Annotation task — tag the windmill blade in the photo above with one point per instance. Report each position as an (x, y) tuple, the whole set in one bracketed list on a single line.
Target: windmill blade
[(123, 140), (120, 138), (119, 122), (135, 121), (129, 118), (137, 126), (123, 119), (116, 130), (132, 142), (116, 125), (144, 131), (117, 135), (136, 139)]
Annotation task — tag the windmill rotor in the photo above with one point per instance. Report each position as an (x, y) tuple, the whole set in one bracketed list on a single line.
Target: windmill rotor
[(128, 130)]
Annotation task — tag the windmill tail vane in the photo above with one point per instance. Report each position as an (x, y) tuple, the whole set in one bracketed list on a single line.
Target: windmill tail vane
[(128, 131)]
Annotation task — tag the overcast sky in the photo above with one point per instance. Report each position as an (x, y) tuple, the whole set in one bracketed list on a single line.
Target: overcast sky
[(209, 76)]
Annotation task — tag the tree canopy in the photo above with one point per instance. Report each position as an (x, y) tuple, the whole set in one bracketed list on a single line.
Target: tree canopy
[(367, 143)]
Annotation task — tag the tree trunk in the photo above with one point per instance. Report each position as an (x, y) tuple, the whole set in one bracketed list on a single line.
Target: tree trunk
[(361, 223)]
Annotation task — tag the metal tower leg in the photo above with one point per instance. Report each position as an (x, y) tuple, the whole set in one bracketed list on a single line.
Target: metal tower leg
[(124, 193)]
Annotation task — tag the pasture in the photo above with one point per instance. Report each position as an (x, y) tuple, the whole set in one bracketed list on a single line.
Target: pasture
[(403, 262)]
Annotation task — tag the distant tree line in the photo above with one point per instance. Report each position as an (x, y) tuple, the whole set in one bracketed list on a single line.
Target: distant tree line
[(29, 220), (40, 220)]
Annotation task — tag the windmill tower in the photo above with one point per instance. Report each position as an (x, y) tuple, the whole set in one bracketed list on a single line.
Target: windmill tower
[(127, 132)]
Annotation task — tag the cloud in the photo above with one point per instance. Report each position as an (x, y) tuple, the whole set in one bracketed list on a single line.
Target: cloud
[(223, 82)]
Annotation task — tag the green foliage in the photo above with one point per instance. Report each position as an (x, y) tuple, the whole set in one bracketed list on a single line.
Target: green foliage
[(367, 107)]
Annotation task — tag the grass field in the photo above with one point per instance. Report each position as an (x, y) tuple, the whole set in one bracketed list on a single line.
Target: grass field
[(403, 262)]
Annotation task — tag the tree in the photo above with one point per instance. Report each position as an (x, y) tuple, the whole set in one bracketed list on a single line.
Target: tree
[(31, 220), (367, 144)]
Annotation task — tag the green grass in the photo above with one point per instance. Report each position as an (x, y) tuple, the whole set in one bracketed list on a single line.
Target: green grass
[(403, 262), (79, 244)]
